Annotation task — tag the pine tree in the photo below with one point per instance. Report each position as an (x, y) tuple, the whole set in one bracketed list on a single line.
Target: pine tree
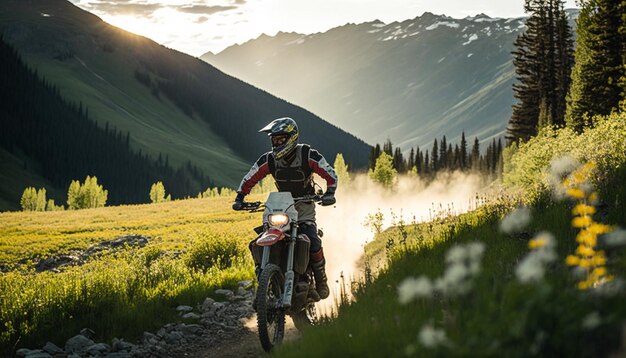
[(599, 63), (542, 60), (375, 153), (476, 155), (443, 153), (435, 157), (463, 152)]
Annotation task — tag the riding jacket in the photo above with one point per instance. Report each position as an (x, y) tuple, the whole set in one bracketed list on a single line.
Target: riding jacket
[(294, 175)]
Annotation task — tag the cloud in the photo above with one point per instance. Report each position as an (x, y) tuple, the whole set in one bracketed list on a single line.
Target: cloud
[(239, 2), (124, 7), (201, 19), (204, 9)]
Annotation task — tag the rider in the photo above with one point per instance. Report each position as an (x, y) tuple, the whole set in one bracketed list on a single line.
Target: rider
[(292, 165)]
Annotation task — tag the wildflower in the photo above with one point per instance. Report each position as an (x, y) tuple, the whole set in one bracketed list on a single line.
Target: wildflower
[(599, 228), (572, 260), (582, 209), (576, 193), (430, 337), (532, 267), (515, 221), (581, 221), (591, 321), (456, 254), (615, 238), (412, 288)]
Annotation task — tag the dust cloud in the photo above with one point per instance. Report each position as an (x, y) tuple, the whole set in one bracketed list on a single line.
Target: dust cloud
[(412, 200)]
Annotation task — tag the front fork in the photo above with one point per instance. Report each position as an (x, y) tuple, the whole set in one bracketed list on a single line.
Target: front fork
[(289, 274)]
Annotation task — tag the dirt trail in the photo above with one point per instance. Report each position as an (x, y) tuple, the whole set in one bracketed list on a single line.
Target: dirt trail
[(241, 343)]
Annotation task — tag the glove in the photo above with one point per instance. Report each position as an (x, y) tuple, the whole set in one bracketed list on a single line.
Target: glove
[(238, 203), (328, 199)]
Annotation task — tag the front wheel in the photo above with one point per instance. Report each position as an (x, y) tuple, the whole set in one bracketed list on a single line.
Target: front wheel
[(270, 313)]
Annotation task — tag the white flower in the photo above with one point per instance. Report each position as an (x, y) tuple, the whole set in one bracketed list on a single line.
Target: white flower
[(475, 250), (456, 254), (591, 321), (615, 238), (532, 267), (430, 337), (515, 221), (412, 288)]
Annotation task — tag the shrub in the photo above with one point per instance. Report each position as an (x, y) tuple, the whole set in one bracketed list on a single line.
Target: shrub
[(213, 250)]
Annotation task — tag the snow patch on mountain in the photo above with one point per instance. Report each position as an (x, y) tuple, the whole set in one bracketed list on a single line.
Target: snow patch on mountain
[(474, 37), (451, 24)]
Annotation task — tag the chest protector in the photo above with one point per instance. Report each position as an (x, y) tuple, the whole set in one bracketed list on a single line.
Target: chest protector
[(296, 176)]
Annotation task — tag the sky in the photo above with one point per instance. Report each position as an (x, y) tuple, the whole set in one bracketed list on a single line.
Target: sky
[(198, 26)]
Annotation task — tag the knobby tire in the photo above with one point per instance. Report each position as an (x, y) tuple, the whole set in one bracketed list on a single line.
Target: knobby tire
[(269, 315)]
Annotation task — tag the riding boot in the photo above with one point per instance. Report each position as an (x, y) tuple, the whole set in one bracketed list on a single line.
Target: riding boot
[(319, 272)]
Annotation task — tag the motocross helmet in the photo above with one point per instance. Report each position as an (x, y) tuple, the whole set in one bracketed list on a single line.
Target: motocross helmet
[(284, 135)]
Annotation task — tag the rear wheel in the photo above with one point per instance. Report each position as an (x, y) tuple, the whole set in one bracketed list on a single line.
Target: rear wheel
[(305, 318), (270, 314)]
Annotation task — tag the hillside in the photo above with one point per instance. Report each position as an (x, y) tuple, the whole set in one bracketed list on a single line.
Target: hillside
[(53, 139), (171, 104), (408, 81)]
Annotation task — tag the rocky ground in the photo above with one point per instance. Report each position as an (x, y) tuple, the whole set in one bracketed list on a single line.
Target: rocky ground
[(223, 329)]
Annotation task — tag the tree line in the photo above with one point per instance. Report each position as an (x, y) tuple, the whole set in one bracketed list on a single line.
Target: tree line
[(442, 157), (38, 124), (560, 86)]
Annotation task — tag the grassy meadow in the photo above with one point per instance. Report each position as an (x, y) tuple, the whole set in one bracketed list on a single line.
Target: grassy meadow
[(197, 245), (522, 296)]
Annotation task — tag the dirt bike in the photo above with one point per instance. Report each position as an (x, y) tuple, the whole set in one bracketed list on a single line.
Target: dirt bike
[(285, 283)]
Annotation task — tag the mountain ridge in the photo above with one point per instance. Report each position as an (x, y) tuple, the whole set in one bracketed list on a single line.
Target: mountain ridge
[(410, 81), (172, 104)]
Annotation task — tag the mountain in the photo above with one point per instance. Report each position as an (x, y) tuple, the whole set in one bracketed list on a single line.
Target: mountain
[(56, 138), (170, 105), (407, 81)]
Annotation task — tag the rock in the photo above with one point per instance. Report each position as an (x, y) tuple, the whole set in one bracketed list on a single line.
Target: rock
[(161, 332), (98, 349), (52, 348), (119, 355), (244, 283), (227, 293), (173, 337), (38, 354), (207, 304), (190, 329), (119, 345), (22, 352), (78, 344), (183, 308), (241, 291), (149, 338), (88, 332), (191, 315)]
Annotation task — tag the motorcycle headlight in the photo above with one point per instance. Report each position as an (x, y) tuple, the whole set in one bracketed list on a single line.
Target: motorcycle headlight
[(278, 219)]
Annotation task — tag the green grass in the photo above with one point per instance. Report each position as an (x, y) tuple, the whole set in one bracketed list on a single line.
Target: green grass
[(500, 316), (124, 293)]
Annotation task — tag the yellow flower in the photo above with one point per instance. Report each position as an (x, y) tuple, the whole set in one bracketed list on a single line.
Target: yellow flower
[(599, 229), (593, 197), (582, 209), (536, 243), (599, 260), (582, 221), (572, 260), (576, 193), (598, 272), (587, 238), (584, 251), (584, 285)]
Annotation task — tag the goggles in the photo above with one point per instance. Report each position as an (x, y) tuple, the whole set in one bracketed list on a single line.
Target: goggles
[(279, 140)]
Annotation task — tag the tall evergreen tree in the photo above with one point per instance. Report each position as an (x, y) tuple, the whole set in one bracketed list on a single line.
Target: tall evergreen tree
[(476, 155), (599, 64), (542, 60), (463, 152), (435, 157)]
